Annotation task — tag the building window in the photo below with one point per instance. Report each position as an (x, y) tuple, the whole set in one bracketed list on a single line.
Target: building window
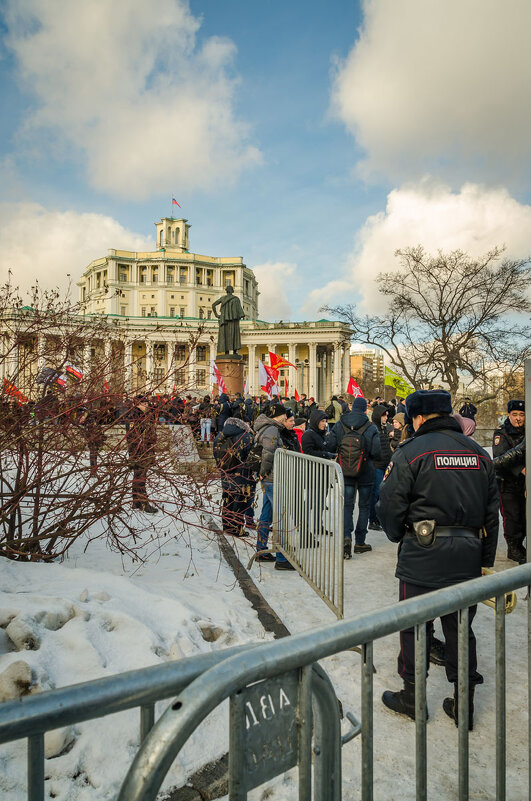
[(201, 378), (169, 275), (182, 311), (172, 311), (143, 311), (153, 311), (158, 375), (201, 353), (123, 310), (201, 313), (180, 376), (84, 293), (210, 278), (161, 238), (143, 275), (180, 353), (209, 314)]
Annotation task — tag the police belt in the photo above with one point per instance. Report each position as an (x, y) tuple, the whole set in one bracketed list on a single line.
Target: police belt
[(445, 531)]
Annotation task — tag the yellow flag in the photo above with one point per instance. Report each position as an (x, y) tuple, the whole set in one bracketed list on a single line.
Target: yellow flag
[(402, 386)]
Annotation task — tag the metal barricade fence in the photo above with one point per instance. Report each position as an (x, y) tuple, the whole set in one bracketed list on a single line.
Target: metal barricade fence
[(308, 500), (258, 680), (271, 687)]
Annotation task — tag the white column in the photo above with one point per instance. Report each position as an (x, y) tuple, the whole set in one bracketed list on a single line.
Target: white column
[(41, 350), (192, 367), (312, 383), (251, 369), (128, 356), (213, 354), (293, 373), (149, 364), (346, 365), (337, 370)]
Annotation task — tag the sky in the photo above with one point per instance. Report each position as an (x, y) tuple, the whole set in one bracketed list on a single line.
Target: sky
[(312, 139)]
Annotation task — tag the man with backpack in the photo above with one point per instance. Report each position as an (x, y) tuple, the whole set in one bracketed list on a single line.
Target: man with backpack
[(357, 442), (334, 410), (231, 450)]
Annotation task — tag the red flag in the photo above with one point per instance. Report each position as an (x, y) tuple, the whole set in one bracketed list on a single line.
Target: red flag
[(13, 392), (297, 396), (285, 387), (354, 389), (105, 386), (277, 362), (174, 202), (272, 373)]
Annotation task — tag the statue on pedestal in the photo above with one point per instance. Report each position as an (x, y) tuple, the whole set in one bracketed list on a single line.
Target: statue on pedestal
[(231, 312)]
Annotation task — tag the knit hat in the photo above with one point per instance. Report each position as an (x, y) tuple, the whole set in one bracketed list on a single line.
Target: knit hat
[(300, 420), (289, 413), (276, 410), (400, 418), (516, 406), (359, 405), (428, 401)]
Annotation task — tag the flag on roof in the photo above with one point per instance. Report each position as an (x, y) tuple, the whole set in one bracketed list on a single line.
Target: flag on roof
[(174, 203)]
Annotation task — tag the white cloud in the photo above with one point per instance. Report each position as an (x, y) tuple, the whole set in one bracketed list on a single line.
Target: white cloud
[(440, 88), (36, 243), (474, 220), (124, 88), (275, 279)]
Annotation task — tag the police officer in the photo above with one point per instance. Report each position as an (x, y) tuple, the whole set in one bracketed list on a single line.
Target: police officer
[(510, 471), (445, 481)]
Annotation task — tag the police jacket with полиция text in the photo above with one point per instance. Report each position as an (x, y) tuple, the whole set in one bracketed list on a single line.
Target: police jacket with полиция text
[(440, 474)]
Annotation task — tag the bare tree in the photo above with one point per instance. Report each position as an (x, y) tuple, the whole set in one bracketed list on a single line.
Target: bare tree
[(450, 317), (65, 465)]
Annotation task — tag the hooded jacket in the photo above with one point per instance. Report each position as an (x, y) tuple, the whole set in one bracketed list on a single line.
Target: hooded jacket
[(269, 434), (440, 474), (313, 440), (355, 419), (224, 410), (385, 443), (241, 437)]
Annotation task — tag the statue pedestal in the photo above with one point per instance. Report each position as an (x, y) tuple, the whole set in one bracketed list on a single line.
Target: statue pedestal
[(231, 369)]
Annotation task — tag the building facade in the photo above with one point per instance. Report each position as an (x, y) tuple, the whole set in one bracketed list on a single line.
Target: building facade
[(147, 322)]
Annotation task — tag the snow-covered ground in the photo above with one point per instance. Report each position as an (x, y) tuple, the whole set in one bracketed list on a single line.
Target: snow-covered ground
[(98, 613)]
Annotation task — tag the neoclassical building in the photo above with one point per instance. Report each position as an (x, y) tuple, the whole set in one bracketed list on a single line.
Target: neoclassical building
[(158, 304)]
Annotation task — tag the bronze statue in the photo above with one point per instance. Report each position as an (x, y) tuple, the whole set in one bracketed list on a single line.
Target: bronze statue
[(231, 313)]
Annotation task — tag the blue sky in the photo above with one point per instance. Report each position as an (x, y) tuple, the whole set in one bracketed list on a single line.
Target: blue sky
[(312, 139)]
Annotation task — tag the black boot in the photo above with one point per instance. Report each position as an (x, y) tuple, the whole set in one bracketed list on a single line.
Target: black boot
[(450, 706), (402, 702), (437, 652), (516, 552), (347, 549)]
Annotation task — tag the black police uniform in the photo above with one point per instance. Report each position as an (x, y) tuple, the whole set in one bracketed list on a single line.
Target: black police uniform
[(511, 482), (442, 475)]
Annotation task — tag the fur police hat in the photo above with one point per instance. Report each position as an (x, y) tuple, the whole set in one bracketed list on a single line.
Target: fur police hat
[(516, 406), (276, 410), (428, 401)]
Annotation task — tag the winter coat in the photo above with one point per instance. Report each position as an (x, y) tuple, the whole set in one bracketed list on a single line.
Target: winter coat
[(440, 474), (355, 419), (290, 440), (383, 460), (313, 440), (292, 404), (268, 434), (468, 410), (338, 411), (241, 436), (505, 438), (225, 411), (142, 437)]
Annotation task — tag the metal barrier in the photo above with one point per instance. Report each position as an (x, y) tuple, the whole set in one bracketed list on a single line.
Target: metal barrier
[(281, 668), (308, 521), (271, 687)]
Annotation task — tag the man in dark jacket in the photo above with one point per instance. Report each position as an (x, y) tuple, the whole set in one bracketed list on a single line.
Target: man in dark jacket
[(141, 441), (511, 478), (225, 411), (357, 419), (379, 418), (468, 409), (444, 480), (313, 443), (231, 449), (268, 434)]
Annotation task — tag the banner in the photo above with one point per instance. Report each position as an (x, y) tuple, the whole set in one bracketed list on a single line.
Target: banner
[(13, 391), (216, 377), (74, 371), (246, 386), (400, 384), (285, 387), (267, 379), (277, 362), (354, 389)]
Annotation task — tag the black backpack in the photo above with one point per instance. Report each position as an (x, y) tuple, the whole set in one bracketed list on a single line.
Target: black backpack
[(254, 460), (330, 412), (226, 453), (351, 454)]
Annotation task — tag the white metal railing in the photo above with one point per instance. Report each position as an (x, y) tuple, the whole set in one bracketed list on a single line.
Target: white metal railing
[(308, 521)]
